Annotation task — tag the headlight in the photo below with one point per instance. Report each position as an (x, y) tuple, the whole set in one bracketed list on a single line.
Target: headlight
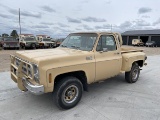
[(36, 72)]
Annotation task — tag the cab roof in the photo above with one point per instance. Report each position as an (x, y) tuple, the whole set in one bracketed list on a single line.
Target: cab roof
[(94, 33)]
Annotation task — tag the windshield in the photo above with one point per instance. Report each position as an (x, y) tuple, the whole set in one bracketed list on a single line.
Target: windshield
[(46, 39), (29, 39), (10, 39), (82, 41)]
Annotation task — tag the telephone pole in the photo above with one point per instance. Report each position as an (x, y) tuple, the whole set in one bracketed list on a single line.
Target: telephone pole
[(19, 21), (111, 27)]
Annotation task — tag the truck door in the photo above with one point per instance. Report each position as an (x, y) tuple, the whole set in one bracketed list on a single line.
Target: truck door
[(108, 57)]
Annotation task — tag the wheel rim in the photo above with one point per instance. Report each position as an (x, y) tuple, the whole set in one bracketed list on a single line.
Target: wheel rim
[(70, 94), (135, 74), (33, 45)]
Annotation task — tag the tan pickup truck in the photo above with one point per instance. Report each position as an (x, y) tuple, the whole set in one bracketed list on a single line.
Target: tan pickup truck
[(137, 42), (81, 59)]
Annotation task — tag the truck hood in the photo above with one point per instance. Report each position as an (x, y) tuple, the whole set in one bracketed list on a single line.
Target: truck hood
[(50, 55), (11, 42)]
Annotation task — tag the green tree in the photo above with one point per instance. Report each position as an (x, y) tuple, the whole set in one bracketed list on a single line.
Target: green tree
[(14, 33), (5, 35)]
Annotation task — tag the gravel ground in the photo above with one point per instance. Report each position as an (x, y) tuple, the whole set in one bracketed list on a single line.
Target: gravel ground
[(5, 58)]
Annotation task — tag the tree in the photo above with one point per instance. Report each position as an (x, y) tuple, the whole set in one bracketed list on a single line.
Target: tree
[(5, 35), (14, 33)]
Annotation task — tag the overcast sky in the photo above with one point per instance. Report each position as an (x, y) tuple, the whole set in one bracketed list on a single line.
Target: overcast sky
[(60, 17)]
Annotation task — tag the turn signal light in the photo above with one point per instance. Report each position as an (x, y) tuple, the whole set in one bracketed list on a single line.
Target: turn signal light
[(50, 78)]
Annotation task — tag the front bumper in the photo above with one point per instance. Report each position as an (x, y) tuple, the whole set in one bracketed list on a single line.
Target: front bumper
[(24, 80), (34, 89), (11, 46), (30, 45)]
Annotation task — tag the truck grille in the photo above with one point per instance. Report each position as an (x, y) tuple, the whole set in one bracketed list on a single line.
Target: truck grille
[(12, 44), (26, 67)]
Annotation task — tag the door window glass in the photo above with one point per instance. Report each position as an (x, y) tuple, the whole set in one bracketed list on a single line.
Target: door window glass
[(106, 42)]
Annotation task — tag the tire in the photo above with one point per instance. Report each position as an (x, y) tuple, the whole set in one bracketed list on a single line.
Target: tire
[(21, 46), (33, 46), (133, 75), (64, 90), (50, 46)]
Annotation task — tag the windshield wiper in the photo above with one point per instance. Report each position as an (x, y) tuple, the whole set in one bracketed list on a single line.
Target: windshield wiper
[(75, 47)]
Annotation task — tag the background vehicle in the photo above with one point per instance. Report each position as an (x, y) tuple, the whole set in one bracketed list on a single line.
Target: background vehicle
[(29, 42), (82, 59), (151, 44), (0, 41), (57, 42), (10, 42), (137, 42), (44, 41)]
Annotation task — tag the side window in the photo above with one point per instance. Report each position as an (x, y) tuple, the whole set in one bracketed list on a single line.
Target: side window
[(106, 41)]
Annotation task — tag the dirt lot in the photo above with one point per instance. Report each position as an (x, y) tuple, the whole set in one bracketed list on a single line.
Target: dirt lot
[(5, 59)]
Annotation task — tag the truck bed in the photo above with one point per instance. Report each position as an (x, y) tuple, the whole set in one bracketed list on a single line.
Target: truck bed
[(128, 50)]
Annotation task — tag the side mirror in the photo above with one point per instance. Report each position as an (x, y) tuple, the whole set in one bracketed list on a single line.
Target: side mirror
[(104, 50)]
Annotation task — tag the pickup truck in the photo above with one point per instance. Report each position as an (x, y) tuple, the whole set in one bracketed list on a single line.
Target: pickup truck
[(45, 43), (28, 42), (81, 59), (10, 42), (137, 42)]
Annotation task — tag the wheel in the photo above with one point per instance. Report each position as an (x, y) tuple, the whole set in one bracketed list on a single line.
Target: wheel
[(68, 92), (50, 45), (133, 75), (33, 46)]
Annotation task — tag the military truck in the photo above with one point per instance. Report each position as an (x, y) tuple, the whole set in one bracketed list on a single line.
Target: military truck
[(137, 42), (28, 42), (82, 59), (44, 41)]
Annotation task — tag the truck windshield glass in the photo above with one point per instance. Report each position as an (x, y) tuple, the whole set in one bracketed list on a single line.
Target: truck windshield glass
[(29, 39), (46, 39), (10, 39), (81, 41)]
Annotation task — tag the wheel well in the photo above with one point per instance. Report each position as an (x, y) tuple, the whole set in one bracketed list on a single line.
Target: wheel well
[(78, 74), (140, 63)]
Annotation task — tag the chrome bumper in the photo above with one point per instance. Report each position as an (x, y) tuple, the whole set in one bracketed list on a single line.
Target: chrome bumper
[(34, 89)]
